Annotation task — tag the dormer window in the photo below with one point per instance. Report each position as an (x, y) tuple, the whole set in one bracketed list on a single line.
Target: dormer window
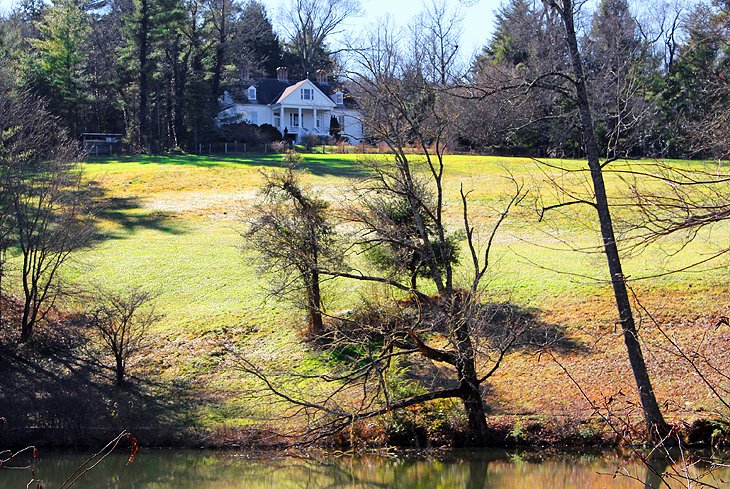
[(307, 94), (251, 94), (339, 98)]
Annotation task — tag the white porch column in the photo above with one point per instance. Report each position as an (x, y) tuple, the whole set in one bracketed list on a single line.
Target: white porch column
[(282, 123), (314, 119), (300, 119)]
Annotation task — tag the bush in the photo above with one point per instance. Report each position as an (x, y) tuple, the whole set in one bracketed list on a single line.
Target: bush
[(243, 132), (268, 134), (279, 146), (310, 140)]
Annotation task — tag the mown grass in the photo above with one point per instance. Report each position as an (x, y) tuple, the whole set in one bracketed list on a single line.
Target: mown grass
[(173, 225)]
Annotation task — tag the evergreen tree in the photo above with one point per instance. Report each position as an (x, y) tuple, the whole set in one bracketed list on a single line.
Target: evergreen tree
[(255, 48), (151, 31), (697, 95), (526, 46), (59, 71), (104, 114), (515, 23), (221, 17)]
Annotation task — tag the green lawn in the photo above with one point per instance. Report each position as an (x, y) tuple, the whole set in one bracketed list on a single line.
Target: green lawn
[(173, 224)]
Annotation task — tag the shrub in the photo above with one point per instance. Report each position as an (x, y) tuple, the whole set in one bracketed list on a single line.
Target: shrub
[(310, 140), (279, 146), (244, 132), (268, 134)]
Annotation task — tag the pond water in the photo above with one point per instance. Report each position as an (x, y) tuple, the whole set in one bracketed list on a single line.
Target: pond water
[(489, 469)]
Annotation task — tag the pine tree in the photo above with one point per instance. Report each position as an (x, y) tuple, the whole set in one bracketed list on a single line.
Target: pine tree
[(60, 67), (255, 48), (697, 95)]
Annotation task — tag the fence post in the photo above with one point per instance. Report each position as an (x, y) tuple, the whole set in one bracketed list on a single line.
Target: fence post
[(244, 147), (225, 148), (210, 148), (200, 148), (266, 148)]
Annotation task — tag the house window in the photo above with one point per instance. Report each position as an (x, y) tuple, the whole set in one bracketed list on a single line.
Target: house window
[(251, 94), (294, 120), (307, 94), (339, 98), (341, 120), (317, 123)]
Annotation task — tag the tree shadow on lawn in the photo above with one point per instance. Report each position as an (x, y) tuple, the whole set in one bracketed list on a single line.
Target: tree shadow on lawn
[(501, 321), (126, 212), (54, 395), (317, 164), (129, 213)]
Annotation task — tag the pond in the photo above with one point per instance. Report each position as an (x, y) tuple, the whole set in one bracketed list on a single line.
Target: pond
[(483, 469)]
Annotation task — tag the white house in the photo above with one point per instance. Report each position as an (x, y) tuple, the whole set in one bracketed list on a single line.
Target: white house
[(295, 108)]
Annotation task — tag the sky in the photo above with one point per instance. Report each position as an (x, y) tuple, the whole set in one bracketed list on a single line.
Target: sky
[(477, 24)]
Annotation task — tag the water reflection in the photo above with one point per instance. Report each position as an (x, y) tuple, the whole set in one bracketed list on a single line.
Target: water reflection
[(461, 470)]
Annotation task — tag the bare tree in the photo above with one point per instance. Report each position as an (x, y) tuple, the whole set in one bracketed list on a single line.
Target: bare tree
[(122, 321), (560, 70), (655, 424), (43, 197), (309, 24), (435, 33)]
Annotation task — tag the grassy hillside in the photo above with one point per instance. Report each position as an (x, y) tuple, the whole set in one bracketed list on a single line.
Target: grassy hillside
[(173, 224)]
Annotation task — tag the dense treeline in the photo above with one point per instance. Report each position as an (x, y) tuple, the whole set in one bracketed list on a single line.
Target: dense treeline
[(154, 70), (658, 84)]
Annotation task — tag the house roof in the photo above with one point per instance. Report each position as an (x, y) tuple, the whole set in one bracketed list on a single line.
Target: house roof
[(269, 92), (289, 90)]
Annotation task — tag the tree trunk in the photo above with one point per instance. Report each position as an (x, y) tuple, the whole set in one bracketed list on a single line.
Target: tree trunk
[(655, 423), (475, 412), (220, 52), (143, 40), (119, 371), (316, 324), (26, 326), (27, 322), (469, 385)]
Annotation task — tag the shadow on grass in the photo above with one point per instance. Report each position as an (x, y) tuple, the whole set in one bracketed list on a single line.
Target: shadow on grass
[(125, 213), (497, 327), (347, 166), (52, 394), (502, 319), (128, 213)]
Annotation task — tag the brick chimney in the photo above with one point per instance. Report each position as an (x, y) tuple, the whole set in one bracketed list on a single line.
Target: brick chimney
[(322, 77), (282, 73)]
